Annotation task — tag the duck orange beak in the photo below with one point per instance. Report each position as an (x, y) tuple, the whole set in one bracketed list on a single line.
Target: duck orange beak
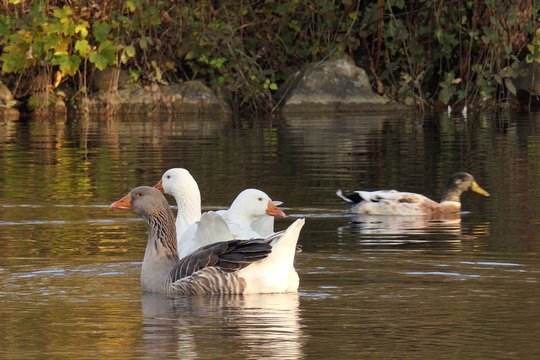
[(159, 185), (273, 210), (122, 204)]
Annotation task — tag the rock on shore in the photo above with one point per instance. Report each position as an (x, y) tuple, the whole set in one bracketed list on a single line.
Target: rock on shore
[(333, 85)]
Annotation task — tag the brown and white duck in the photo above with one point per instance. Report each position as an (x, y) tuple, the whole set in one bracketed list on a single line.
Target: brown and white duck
[(392, 202), (229, 267)]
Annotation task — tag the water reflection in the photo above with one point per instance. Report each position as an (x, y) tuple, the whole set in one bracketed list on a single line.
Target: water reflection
[(372, 230), (370, 287), (392, 225), (264, 326)]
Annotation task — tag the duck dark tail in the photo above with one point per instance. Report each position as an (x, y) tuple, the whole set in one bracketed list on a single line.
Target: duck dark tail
[(353, 198)]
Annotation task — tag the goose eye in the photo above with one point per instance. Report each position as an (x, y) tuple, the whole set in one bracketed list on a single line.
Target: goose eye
[(260, 199), (139, 194), (168, 176)]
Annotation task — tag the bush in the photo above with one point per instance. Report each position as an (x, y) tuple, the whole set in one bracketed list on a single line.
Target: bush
[(415, 51)]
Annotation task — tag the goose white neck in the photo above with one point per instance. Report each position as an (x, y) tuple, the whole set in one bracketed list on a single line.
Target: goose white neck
[(189, 210), (240, 216)]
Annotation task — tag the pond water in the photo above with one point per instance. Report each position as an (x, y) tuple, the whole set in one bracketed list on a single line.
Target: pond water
[(370, 287)]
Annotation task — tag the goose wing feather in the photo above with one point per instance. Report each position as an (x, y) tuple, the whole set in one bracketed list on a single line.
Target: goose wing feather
[(212, 228), (228, 256)]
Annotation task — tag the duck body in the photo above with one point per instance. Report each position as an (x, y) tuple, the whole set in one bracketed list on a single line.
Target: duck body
[(276, 273), (211, 228), (392, 202), (179, 183), (226, 267), (273, 274), (250, 206)]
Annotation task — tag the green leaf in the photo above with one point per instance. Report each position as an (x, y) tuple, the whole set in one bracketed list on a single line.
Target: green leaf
[(83, 47), (130, 5), (63, 12), (101, 31), (400, 4), (68, 26), (273, 86), (294, 25), (82, 29), (144, 41), (130, 50), (53, 28), (127, 53), (134, 75), (439, 34), (5, 25), (99, 60), (244, 10), (446, 94), (69, 64), (50, 41), (491, 34), (104, 56), (218, 62), (461, 94), (13, 59)]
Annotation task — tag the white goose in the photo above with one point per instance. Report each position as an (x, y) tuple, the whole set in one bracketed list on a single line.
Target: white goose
[(182, 186), (246, 212), (250, 215), (232, 267)]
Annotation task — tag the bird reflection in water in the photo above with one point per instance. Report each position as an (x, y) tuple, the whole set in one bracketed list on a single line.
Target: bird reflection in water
[(400, 230), (260, 325)]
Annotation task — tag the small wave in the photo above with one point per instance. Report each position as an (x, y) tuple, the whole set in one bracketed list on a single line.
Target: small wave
[(93, 270), (442, 273), (319, 215), (36, 206), (490, 263), (67, 222)]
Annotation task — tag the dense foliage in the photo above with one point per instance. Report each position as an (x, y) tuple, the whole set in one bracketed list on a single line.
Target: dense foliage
[(415, 51)]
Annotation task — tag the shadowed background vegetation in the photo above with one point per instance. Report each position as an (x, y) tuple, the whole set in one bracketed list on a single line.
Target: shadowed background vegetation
[(418, 52)]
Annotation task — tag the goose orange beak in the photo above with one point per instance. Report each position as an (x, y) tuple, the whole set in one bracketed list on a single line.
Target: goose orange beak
[(159, 185), (122, 204), (273, 210)]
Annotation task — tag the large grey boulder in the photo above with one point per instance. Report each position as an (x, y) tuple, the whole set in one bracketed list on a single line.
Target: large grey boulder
[(333, 85), (187, 97)]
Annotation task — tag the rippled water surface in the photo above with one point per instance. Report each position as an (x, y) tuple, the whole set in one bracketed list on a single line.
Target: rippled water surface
[(370, 286)]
